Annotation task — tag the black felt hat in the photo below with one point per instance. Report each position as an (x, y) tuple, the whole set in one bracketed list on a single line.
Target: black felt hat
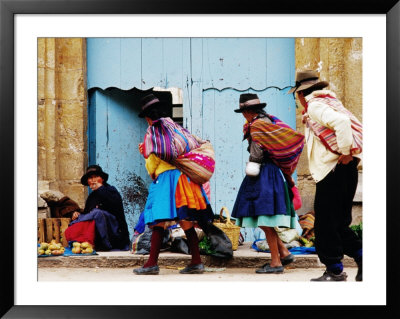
[(249, 101), (93, 170), (150, 102)]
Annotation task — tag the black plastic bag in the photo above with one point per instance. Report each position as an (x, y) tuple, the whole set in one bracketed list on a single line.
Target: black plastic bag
[(140, 243), (220, 244), (179, 245)]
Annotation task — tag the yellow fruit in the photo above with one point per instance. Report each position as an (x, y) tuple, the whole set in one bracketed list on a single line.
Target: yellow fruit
[(76, 244), (53, 247), (85, 245), (76, 250), (48, 252), (89, 250), (44, 246), (53, 242), (40, 251), (56, 252)]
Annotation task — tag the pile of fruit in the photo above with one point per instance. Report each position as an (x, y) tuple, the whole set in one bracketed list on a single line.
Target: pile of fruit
[(51, 249), (307, 242), (82, 248)]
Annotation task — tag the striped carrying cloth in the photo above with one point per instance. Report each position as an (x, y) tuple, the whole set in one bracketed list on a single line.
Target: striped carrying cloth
[(167, 140), (328, 136), (283, 144)]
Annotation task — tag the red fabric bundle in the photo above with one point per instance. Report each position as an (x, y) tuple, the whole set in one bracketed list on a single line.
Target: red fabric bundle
[(81, 232)]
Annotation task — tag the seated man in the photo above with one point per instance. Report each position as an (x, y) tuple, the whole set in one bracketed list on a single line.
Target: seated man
[(104, 207)]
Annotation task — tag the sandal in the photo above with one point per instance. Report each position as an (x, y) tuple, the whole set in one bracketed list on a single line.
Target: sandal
[(267, 269)]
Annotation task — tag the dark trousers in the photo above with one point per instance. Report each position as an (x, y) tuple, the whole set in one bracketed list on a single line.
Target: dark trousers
[(333, 205)]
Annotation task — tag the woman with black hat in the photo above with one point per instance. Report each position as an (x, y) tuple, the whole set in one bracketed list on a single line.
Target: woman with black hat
[(173, 197), (104, 206), (263, 199)]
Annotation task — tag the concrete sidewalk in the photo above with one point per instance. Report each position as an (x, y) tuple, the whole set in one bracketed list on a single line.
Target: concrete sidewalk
[(243, 257)]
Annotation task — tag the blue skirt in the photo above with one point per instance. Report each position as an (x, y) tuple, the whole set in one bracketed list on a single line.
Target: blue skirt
[(161, 205), (264, 200)]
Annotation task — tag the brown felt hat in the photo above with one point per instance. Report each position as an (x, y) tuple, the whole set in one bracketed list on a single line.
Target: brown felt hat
[(308, 79)]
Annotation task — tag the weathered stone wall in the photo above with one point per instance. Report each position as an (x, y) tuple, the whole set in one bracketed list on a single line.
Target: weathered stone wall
[(62, 116), (339, 61)]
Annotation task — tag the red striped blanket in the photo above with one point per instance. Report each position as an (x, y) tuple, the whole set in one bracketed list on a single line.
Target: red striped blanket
[(167, 140), (283, 144), (328, 136)]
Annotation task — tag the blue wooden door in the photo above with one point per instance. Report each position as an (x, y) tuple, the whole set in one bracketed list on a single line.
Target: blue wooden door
[(212, 73)]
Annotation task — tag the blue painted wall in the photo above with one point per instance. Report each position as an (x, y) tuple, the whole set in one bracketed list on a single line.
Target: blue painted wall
[(212, 72)]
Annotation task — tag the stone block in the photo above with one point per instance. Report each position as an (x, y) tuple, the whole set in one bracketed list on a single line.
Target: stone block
[(43, 186), (41, 203), (50, 60), (41, 52), (74, 190), (356, 214), (70, 164), (70, 85), (358, 195), (70, 54), (307, 192), (41, 83), (44, 213), (50, 84)]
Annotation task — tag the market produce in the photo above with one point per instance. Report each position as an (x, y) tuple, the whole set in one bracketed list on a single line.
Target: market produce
[(85, 245), (76, 244), (88, 250), (76, 250), (53, 248), (306, 242)]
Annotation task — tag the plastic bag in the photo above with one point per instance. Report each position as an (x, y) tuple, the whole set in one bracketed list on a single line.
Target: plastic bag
[(287, 234), (219, 244)]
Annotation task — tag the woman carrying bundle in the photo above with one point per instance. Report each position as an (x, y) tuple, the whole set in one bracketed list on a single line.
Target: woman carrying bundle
[(264, 199), (173, 196)]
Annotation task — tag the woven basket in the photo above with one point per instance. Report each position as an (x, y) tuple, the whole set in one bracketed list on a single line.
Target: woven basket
[(231, 230)]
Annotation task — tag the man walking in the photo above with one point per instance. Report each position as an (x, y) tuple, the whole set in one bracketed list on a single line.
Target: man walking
[(334, 146)]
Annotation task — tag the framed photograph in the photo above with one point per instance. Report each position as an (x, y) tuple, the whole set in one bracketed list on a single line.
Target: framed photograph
[(23, 23)]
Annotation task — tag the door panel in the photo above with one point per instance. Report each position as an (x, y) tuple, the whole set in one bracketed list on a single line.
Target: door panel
[(212, 73)]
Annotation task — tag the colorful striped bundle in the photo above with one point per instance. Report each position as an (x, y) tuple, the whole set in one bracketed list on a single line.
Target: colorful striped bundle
[(328, 136), (167, 140), (283, 144), (198, 164)]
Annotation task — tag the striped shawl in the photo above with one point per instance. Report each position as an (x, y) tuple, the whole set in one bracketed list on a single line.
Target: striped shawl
[(327, 136), (167, 140), (283, 144)]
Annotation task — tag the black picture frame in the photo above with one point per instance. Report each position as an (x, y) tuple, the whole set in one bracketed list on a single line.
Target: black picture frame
[(8, 10)]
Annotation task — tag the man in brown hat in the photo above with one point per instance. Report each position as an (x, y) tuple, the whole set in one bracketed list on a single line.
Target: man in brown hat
[(334, 147)]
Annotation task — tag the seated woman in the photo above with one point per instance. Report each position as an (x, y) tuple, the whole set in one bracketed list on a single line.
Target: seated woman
[(104, 207)]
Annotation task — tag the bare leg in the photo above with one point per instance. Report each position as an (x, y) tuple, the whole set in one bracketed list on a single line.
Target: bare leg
[(272, 239), (283, 251)]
